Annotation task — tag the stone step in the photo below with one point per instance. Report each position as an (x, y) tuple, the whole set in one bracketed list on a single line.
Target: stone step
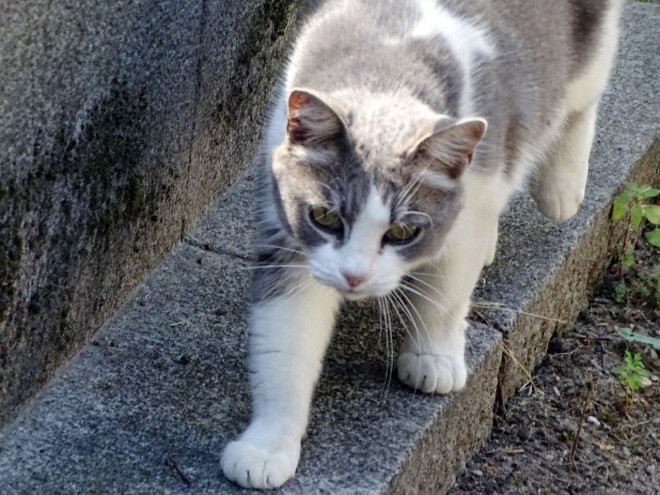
[(149, 404)]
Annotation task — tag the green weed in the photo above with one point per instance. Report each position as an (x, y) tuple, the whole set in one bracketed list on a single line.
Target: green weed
[(631, 207), (630, 373)]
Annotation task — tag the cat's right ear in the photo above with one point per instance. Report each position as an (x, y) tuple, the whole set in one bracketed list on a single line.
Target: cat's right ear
[(310, 120)]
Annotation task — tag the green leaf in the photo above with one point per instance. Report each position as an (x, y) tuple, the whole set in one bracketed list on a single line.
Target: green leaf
[(626, 196), (638, 336), (654, 237), (648, 192), (652, 213), (620, 370), (631, 186), (618, 209), (636, 214)]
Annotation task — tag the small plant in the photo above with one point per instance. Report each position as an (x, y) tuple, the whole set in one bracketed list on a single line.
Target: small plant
[(630, 374), (620, 292), (630, 207)]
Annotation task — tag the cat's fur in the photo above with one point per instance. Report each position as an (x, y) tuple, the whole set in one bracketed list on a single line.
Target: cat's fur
[(381, 118)]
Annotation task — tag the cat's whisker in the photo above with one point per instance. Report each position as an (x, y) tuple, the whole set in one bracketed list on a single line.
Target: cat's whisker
[(503, 307), (399, 317), (424, 296), (382, 326), (422, 214), (291, 293), (290, 280), (440, 294), (419, 280), (412, 320), (439, 298), (380, 318), (410, 317), (403, 194), (396, 309), (280, 248), (428, 274), (409, 305), (265, 267), (389, 347), (408, 193), (332, 192)]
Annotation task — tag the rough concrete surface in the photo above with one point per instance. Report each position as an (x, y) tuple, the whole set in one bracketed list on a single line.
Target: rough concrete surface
[(114, 141), (148, 405)]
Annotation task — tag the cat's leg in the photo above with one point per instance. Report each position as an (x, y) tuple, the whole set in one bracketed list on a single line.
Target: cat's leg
[(559, 186), (492, 244), (432, 358), (289, 337)]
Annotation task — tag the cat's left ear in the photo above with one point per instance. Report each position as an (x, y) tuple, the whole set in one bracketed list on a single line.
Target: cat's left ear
[(452, 144)]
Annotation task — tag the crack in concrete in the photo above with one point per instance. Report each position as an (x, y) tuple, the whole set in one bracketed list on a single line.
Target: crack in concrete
[(207, 247)]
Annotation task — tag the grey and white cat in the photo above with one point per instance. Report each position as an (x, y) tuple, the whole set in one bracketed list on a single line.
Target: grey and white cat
[(379, 176)]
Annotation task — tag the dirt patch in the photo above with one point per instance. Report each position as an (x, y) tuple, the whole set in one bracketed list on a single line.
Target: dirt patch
[(572, 429)]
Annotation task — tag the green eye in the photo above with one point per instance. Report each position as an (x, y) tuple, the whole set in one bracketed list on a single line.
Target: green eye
[(401, 233), (325, 218)]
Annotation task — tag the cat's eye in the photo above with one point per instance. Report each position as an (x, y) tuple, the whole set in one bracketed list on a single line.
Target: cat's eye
[(325, 218), (399, 233)]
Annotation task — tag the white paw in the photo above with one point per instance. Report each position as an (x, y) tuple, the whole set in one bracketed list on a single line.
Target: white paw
[(253, 466), (431, 372), (559, 203), (558, 196)]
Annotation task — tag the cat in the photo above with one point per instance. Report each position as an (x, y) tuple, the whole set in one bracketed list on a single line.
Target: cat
[(399, 132)]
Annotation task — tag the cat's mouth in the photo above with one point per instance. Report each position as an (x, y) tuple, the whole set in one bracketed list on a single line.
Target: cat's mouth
[(360, 294), (356, 295), (366, 290)]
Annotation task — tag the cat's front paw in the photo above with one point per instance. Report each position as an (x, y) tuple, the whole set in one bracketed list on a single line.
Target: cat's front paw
[(432, 373), (558, 196), (253, 466), (559, 204)]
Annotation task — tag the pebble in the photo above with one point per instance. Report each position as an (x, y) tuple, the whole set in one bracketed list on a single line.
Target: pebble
[(650, 469), (626, 452), (655, 378), (477, 472), (645, 381), (593, 420)]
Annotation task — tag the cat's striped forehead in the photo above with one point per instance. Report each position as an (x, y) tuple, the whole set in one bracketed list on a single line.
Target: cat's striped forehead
[(345, 179)]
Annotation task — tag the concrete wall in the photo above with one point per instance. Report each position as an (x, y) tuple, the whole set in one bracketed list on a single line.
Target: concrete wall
[(120, 122)]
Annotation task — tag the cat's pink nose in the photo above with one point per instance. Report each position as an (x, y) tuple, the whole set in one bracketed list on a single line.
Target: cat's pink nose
[(353, 280)]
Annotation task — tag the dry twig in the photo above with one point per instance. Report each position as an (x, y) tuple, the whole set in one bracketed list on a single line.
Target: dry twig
[(591, 387)]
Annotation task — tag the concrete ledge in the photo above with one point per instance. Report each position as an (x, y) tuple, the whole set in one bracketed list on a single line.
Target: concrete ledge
[(149, 404)]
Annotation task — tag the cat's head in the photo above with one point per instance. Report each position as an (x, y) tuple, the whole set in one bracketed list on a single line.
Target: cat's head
[(369, 189)]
